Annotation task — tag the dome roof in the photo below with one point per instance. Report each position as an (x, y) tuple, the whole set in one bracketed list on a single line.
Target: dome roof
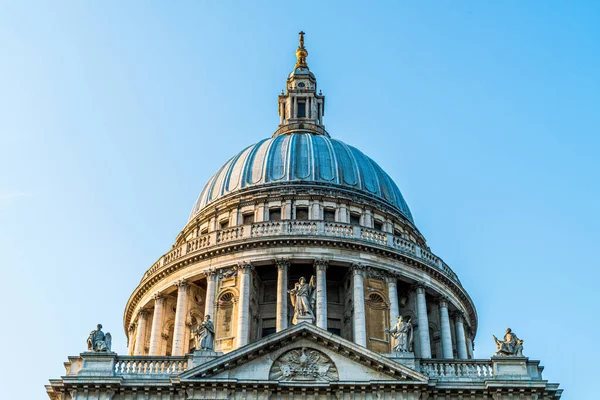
[(302, 158)]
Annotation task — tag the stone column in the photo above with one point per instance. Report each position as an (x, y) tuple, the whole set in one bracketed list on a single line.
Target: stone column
[(461, 340), (343, 213), (423, 321), (179, 339), (392, 284), (131, 340), (295, 115), (446, 331), (321, 311), (286, 209), (211, 291), (282, 296), (358, 295), (368, 219), (157, 322), (315, 213), (243, 322), (470, 347), (140, 335)]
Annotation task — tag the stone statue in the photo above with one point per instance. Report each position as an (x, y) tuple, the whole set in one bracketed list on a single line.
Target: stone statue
[(510, 346), (303, 299), (204, 335), (99, 341), (402, 333)]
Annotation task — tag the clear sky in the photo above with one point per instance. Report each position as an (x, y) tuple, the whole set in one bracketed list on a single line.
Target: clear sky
[(114, 114)]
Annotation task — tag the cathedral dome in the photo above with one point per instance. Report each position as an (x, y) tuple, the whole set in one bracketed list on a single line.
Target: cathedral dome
[(302, 159)]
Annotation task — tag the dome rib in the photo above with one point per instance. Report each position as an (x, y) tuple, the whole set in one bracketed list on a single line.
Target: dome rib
[(302, 158)]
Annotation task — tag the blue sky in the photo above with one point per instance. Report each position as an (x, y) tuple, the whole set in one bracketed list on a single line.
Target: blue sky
[(114, 114)]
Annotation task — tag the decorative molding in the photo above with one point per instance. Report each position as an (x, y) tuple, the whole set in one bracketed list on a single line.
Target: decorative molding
[(228, 272), (375, 273)]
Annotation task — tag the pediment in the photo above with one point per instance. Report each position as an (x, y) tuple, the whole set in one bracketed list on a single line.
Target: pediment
[(303, 353)]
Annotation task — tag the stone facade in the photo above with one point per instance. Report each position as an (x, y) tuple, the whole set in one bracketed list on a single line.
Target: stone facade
[(257, 228)]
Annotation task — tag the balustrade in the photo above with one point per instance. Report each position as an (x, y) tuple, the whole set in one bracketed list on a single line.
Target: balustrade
[(131, 365), (227, 235), (457, 369), (373, 236), (297, 227)]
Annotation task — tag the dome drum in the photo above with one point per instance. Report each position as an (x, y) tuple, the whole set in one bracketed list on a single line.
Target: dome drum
[(222, 270)]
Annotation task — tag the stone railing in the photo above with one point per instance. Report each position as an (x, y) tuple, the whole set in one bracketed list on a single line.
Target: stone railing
[(303, 228), (150, 365), (457, 369)]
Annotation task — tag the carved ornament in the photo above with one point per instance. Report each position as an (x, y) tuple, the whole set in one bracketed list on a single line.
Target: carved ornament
[(304, 364)]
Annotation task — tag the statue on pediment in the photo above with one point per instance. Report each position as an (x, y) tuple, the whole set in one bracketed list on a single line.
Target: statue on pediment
[(204, 335), (99, 341), (511, 345), (402, 333), (303, 300)]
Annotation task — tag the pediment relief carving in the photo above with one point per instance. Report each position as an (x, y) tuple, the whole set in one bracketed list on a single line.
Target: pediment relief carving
[(303, 364)]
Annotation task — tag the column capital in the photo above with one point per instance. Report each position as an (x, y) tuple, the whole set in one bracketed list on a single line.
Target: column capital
[(443, 301), (390, 277), (245, 267), (458, 316), (358, 269), (321, 264), (182, 284), (419, 287), (143, 313), (131, 328), (282, 263), (158, 297), (211, 273)]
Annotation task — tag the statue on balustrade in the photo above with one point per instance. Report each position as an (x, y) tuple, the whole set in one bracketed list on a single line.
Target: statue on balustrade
[(510, 346), (402, 333), (204, 335), (99, 341), (303, 300)]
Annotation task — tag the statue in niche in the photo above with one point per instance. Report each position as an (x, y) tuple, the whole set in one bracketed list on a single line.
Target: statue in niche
[(204, 335), (303, 300), (510, 346), (402, 333), (99, 341)]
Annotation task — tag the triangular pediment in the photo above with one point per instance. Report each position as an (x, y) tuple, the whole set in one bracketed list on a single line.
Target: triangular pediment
[(303, 353)]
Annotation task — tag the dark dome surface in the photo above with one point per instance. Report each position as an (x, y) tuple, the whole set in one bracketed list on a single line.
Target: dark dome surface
[(302, 158)]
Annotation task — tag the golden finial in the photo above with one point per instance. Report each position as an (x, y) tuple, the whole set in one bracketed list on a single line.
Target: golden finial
[(301, 53)]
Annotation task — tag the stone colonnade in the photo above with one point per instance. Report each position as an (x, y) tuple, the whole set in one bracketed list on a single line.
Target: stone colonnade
[(464, 347)]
